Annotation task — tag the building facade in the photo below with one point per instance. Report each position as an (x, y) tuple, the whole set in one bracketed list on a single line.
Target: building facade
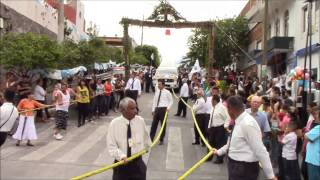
[(286, 34), (41, 17)]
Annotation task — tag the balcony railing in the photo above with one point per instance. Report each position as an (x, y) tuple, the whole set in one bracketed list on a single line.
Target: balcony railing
[(283, 44)]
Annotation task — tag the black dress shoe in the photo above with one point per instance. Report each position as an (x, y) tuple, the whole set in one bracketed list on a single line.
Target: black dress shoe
[(176, 115), (161, 143), (195, 143), (209, 159)]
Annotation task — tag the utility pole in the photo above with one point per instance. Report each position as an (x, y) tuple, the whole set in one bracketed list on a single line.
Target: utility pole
[(142, 30), (60, 21), (265, 35)]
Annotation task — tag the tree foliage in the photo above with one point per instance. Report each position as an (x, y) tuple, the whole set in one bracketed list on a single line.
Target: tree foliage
[(150, 53), (225, 51), (24, 52), (28, 51)]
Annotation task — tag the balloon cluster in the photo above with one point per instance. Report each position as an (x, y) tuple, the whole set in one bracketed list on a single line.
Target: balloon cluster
[(297, 74)]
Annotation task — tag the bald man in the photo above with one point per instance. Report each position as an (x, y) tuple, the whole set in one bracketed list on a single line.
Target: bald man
[(261, 118)]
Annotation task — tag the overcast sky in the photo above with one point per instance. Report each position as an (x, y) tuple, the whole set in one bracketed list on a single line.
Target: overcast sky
[(108, 13)]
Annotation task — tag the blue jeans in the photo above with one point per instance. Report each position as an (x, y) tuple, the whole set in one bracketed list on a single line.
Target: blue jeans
[(313, 172)]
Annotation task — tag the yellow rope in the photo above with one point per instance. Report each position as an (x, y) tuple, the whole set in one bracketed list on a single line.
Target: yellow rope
[(98, 171), (195, 166)]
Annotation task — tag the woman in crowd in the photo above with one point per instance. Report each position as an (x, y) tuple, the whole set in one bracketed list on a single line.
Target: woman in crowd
[(26, 128), (40, 96), (99, 99), (83, 102)]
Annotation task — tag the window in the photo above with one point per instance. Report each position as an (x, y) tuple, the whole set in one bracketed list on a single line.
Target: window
[(286, 23), (259, 45), (277, 27), (305, 18)]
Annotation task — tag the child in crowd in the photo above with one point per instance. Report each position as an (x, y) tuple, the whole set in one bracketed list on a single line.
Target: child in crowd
[(289, 154)]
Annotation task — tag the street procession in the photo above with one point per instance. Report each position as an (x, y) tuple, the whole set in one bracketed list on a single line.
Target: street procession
[(160, 89)]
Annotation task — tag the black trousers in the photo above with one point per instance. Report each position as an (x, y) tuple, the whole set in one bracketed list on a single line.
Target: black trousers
[(291, 169), (148, 85), (182, 108), (202, 120), (3, 137), (238, 170), (280, 164), (39, 112), (134, 170), (132, 94), (158, 116), (82, 113), (99, 104), (217, 138)]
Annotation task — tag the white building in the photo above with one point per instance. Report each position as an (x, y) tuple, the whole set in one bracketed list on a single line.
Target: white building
[(41, 17), (287, 32)]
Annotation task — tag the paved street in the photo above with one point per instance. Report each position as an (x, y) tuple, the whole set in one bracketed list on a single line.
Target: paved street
[(84, 149)]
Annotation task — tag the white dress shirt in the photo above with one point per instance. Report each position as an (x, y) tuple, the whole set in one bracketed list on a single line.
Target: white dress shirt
[(184, 91), (117, 136), (289, 146), (39, 93), (136, 85), (219, 116), (199, 106), (209, 105), (5, 111), (246, 144), (165, 99)]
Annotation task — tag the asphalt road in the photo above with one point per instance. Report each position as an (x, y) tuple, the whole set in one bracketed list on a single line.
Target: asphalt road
[(84, 149)]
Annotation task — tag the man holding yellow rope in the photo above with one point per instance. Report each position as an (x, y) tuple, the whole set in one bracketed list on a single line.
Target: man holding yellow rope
[(128, 135), (245, 148)]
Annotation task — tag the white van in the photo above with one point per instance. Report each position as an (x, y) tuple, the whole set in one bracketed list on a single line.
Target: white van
[(170, 76)]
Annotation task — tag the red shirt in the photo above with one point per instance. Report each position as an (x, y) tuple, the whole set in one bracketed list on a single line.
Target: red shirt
[(107, 89)]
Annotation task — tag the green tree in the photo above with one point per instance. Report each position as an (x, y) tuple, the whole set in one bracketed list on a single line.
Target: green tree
[(225, 51), (27, 51), (150, 53)]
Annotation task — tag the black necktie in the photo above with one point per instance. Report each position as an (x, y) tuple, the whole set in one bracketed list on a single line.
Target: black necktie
[(132, 84), (128, 137), (159, 98)]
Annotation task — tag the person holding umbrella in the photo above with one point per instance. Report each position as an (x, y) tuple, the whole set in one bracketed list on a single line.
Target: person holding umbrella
[(26, 129)]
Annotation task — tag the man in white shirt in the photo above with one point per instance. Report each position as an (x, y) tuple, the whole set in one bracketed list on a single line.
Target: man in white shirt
[(245, 148), (8, 115), (128, 135), (133, 87), (184, 94), (200, 109), (162, 103), (219, 122)]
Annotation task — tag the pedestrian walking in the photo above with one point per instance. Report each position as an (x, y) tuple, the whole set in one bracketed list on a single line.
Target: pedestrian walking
[(83, 102), (26, 128), (219, 122), (245, 148), (62, 110), (184, 94), (126, 136), (162, 103), (8, 115), (200, 110)]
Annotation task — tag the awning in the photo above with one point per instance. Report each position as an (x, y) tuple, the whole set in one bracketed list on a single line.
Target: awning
[(314, 48)]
